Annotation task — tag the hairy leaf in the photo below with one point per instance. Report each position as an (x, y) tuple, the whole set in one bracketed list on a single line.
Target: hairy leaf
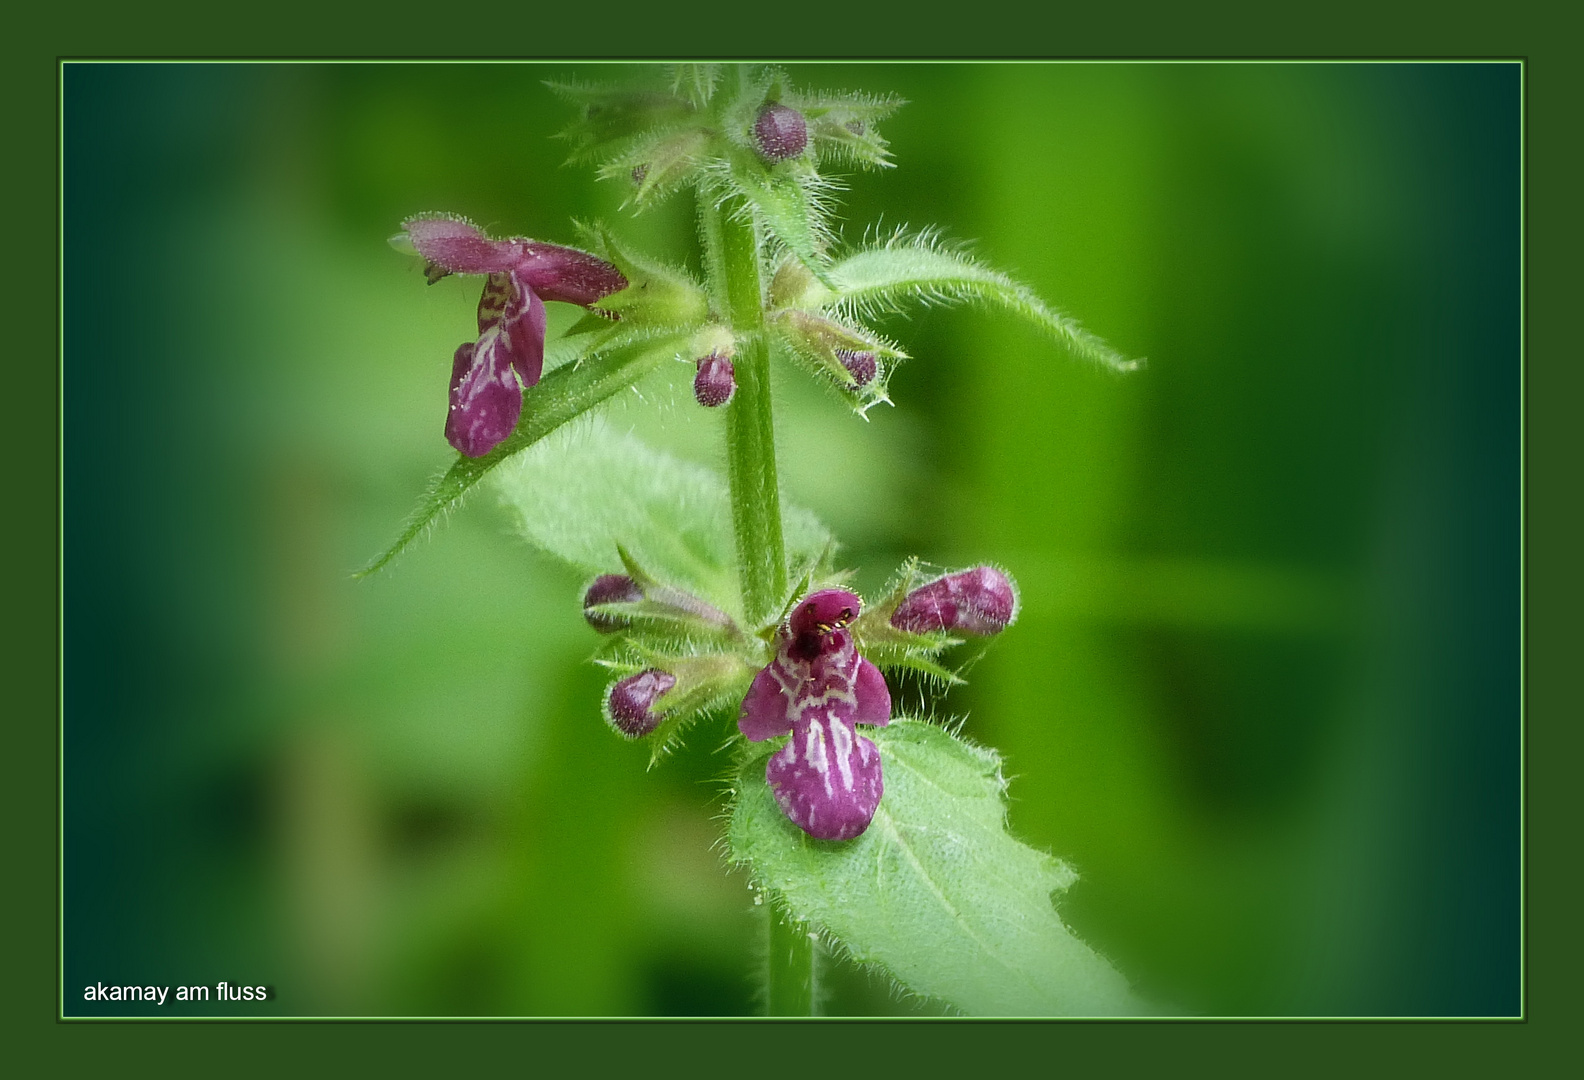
[(564, 394), (588, 489), (936, 891), (920, 268)]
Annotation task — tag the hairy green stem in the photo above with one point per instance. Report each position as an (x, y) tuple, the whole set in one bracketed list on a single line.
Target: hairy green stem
[(731, 254), (750, 424), (792, 973)]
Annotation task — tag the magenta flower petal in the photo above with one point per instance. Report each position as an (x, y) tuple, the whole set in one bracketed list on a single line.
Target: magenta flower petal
[(457, 245), (780, 132), (486, 398), (766, 711), (519, 314), (524, 331), (827, 778), (566, 274), (873, 696), (610, 589)]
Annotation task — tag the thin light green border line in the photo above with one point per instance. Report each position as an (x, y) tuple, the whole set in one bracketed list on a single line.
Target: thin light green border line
[(60, 479)]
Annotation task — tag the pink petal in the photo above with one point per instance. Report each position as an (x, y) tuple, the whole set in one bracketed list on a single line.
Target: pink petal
[(980, 600), (457, 245), (486, 398), (874, 697), (827, 778), (524, 330), (765, 710), (566, 274)]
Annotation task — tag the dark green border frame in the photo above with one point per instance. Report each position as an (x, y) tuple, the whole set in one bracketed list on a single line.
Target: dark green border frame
[(1554, 526)]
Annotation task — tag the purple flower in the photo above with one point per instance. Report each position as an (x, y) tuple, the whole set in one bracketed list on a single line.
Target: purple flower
[(780, 132), (827, 777), (715, 382), (630, 707), (976, 601), (488, 375)]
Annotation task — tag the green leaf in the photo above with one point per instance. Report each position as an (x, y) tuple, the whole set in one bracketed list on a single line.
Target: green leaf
[(564, 394), (589, 489), (935, 891), (920, 268)]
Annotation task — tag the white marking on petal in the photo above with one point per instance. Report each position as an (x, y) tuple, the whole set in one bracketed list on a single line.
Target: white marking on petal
[(841, 735), (814, 750)]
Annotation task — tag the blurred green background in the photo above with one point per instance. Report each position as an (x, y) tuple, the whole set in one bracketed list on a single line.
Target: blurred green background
[(1264, 695)]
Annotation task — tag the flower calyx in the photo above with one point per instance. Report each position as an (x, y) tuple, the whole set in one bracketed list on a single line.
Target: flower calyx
[(659, 693), (656, 295), (854, 361)]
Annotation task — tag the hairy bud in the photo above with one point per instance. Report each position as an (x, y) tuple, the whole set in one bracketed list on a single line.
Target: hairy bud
[(977, 601), (715, 382), (630, 707), (780, 132), (863, 365), (610, 589)]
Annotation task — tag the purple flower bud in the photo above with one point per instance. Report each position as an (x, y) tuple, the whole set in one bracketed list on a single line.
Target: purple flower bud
[(862, 366), (715, 382), (610, 589), (779, 132), (631, 702), (977, 601)]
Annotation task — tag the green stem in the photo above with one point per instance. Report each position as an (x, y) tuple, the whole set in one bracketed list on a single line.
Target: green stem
[(792, 975), (731, 255), (731, 242)]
